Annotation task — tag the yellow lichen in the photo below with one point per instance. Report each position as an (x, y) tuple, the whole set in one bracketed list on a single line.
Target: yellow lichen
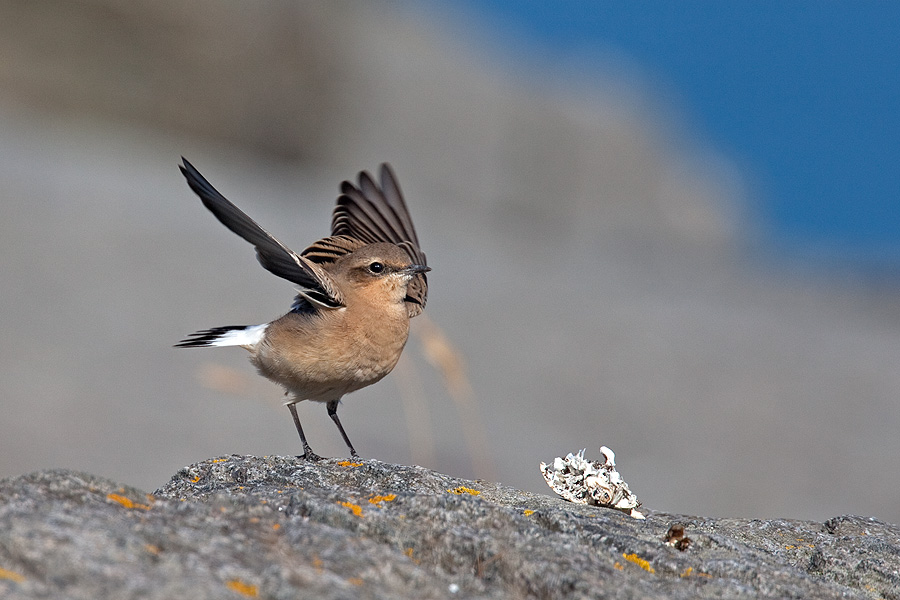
[(218, 460), (355, 508), (236, 585), (378, 499), (527, 512), (689, 572), (347, 463), (127, 502), (645, 565), (11, 575), (463, 490)]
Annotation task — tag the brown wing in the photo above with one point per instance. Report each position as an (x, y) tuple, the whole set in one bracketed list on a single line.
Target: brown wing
[(317, 286), (329, 249), (374, 214)]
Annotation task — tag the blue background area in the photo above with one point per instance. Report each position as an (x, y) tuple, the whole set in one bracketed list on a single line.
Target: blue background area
[(803, 96)]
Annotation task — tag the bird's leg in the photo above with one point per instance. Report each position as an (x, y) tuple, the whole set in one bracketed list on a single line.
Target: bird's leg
[(308, 454), (332, 412)]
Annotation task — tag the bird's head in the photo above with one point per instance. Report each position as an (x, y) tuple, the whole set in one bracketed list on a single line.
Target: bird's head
[(381, 272)]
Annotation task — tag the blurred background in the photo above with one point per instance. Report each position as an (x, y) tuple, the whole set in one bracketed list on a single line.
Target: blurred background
[(669, 229)]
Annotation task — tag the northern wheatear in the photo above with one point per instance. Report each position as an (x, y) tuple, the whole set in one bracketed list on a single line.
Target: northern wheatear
[(358, 289)]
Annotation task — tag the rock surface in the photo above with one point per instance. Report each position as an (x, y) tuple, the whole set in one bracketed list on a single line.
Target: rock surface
[(278, 527)]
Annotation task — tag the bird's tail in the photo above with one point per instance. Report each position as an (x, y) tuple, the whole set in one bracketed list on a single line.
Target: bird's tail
[(229, 335)]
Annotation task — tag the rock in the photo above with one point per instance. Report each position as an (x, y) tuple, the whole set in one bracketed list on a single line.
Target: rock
[(279, 527)]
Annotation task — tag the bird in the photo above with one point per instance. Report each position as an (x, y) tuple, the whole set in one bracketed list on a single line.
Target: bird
[(357, 290)]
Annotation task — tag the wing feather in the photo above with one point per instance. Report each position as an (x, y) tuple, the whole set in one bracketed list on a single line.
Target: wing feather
[(329, 249), (274, 256)]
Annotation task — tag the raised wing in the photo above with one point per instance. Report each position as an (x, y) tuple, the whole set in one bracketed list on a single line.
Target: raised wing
[(371, 214), (316, 285), (329, 249)]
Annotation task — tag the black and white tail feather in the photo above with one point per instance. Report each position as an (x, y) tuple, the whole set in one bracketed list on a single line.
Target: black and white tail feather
[(246, 336)]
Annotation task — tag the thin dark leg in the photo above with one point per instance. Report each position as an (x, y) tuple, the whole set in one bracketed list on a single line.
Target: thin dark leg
[(308, 454), (332, 412)]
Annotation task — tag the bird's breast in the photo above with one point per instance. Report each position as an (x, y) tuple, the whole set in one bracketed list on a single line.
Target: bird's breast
[(325, 355)]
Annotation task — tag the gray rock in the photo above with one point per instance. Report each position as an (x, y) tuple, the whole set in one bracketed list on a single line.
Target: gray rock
[(279, 527)]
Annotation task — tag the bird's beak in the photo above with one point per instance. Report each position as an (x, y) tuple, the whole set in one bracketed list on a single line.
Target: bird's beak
[(416, 269)]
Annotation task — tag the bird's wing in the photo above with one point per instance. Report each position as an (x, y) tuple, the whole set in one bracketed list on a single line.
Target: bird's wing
[(371, 214), (328, 250), (316, 285)]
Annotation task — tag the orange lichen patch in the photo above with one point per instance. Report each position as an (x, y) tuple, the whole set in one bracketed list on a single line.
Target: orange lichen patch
[(127, 502), (527, 512), (152, 549), (195, 479), (409, 553), (689, 572), (645, 565), (236, 585), (355, 508), (347, 463), (276, 526), (387, 498), (618, 566), (11, 575), (355, 580), (463, 490), (218, 460), (318, 563)]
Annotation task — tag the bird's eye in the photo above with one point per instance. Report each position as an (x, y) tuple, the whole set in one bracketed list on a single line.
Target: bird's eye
[(376, 267)]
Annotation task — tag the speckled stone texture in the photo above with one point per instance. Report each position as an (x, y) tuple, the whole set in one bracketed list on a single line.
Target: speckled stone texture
[(279, 527)]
